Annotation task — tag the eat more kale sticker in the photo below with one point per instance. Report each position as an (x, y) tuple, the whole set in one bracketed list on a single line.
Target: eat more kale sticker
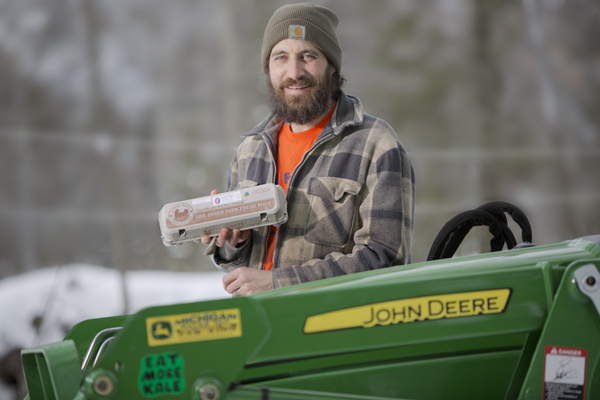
[(161, 374)]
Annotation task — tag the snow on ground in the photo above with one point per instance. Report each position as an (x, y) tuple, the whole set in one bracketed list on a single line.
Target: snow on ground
[(65, 295)]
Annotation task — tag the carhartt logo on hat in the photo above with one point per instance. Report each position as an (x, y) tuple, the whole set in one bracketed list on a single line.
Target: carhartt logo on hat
[(296, 32)]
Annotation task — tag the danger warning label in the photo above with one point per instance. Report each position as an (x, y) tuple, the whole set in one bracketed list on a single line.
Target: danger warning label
[(564, 373)]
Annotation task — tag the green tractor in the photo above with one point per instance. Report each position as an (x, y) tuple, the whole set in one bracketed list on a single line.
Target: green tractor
[(522, 323)]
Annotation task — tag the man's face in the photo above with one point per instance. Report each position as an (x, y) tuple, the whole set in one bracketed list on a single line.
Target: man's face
[(299, 81)]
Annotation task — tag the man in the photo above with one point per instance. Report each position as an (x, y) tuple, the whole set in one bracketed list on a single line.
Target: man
[(348, 181)]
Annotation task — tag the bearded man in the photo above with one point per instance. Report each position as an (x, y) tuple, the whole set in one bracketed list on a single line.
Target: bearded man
[(349, 183)]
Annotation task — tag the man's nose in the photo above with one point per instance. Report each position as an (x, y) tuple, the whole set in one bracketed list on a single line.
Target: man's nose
[(295, 68)]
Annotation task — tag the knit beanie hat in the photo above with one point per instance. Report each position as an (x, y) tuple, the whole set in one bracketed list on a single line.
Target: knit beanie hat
[(304, 21)]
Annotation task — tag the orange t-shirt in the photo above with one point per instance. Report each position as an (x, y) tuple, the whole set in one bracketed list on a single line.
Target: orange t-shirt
[(290, 150)]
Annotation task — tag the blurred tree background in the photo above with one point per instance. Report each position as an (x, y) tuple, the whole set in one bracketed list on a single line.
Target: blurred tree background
[(111, 108)]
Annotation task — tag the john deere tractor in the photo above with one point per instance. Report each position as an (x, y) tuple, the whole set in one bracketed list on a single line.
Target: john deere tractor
[(520, 322)]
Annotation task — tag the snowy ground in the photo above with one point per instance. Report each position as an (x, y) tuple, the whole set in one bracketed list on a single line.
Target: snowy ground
[(63, 296)]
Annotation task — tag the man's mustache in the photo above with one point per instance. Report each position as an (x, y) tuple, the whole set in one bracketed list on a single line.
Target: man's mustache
[(302, 81)]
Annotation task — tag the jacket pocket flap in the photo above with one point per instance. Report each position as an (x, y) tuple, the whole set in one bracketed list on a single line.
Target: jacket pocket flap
[(333, 188), (245, 184)]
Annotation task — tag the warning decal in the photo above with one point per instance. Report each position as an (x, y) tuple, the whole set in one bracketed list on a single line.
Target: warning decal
[(564, 373), (434, 307), (194, 327)]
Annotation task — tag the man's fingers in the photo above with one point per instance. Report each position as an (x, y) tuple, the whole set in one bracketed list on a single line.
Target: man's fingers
[(226, 284), (229, 278), (233, 239), (223, 237), (247, 281), (235, 280), (234, 287)]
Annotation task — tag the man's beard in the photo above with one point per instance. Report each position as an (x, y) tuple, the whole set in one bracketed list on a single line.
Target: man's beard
[(304, 108)]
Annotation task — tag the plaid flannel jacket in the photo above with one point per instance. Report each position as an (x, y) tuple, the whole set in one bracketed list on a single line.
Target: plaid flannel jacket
[(350, 200)]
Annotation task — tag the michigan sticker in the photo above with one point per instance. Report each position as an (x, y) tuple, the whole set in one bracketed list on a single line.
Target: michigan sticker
[(194, 327), (411, 310)]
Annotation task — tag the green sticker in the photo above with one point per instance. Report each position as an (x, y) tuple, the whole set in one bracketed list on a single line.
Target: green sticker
[(161, 374)]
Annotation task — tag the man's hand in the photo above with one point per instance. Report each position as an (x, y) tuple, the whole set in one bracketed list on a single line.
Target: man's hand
[(246, 281), (234, 237)]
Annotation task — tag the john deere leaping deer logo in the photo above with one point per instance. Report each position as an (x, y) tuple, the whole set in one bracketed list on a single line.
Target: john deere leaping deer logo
[(162, 330), (181, 214)]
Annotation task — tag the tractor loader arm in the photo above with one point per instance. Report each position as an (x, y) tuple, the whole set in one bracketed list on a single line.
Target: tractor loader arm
[(517, 324)]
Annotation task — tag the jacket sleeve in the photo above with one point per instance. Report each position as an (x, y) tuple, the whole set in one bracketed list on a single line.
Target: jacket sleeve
[(382, 235)]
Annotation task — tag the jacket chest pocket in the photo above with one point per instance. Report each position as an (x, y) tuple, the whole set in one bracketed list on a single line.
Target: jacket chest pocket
[(332, 210)]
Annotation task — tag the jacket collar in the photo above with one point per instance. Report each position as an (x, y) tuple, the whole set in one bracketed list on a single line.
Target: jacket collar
[(348, 112)]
